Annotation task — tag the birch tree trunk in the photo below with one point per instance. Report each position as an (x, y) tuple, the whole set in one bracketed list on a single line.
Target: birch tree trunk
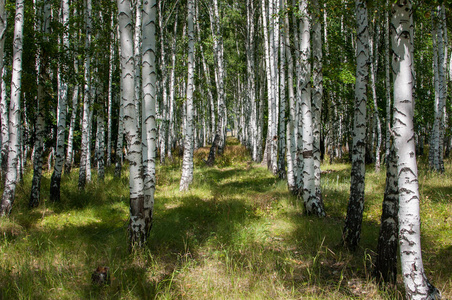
[(415, 280), (100, 147), (387, 84), (373, 75), (43, 82), (61, 112), (149, 99), (353, 221), (312, 204), (138, 230), (251, 78), (218, 48), (291, 152), (282, 104), (14, 113), (317, 95), (187, 164), (85, 147), (3, 103), (386, 263), (70, 138), (172, 87), (111, 67)]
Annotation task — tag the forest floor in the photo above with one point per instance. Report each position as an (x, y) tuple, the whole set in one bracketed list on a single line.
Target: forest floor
[(237, 234)]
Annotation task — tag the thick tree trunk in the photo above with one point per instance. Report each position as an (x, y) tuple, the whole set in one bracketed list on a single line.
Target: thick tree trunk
[(137, 229), (187, 164), (14, 113), (149, 118), (352, 229), (413, 274)]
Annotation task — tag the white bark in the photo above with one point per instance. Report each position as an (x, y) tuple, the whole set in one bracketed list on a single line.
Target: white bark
[(373, 75), (353, 222), (111, 67), (149, 99), (85, 147), (100, 147), (137, 226), (61, 112), (14, 112), (43, 82), (317, 94), (415, 280), (3, 103), (291, 152), (187, 164), (281, 147), (251, 78)]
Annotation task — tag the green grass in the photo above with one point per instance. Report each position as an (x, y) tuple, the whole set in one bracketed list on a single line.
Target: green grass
[(237, 234)]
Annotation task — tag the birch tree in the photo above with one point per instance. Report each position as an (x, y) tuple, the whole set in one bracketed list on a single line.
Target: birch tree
[(138, 229), (291, 152), (14, 112), (187, 163), (416, 283), (353, 221), (149, 99), (42, 98), (85, 145), (61, 110), (3, 103)]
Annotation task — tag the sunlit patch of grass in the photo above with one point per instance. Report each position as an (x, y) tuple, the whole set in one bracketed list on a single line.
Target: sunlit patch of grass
[(237, 234)]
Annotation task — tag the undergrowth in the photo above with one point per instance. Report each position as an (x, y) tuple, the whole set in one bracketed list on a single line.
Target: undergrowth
[(237, 234)]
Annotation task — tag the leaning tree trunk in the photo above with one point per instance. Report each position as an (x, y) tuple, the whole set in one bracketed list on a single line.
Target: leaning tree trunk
[(14, 112), (61, 113), (137, 228), (416, 283), (187, 164), (352, 229), (43, 92)]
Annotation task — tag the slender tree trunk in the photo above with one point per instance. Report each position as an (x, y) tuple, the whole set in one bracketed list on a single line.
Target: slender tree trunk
[(3, 103), (415, 280), (14, 113), (100, 149), (111, 67), (43, 92), (373, 75), (387, 84), (85, 145), (291, 152), (172, 87), (61, 113), (317, 94), (282, 106), (187, 164), (353, 221)]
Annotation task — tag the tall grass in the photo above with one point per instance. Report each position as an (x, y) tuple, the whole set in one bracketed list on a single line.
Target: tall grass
[(237, 234)]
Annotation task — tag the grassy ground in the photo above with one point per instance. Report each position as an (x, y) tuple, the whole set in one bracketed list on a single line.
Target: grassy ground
[(237, 234)]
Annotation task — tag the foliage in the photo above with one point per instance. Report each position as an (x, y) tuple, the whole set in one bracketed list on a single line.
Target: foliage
[(238, 234)]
